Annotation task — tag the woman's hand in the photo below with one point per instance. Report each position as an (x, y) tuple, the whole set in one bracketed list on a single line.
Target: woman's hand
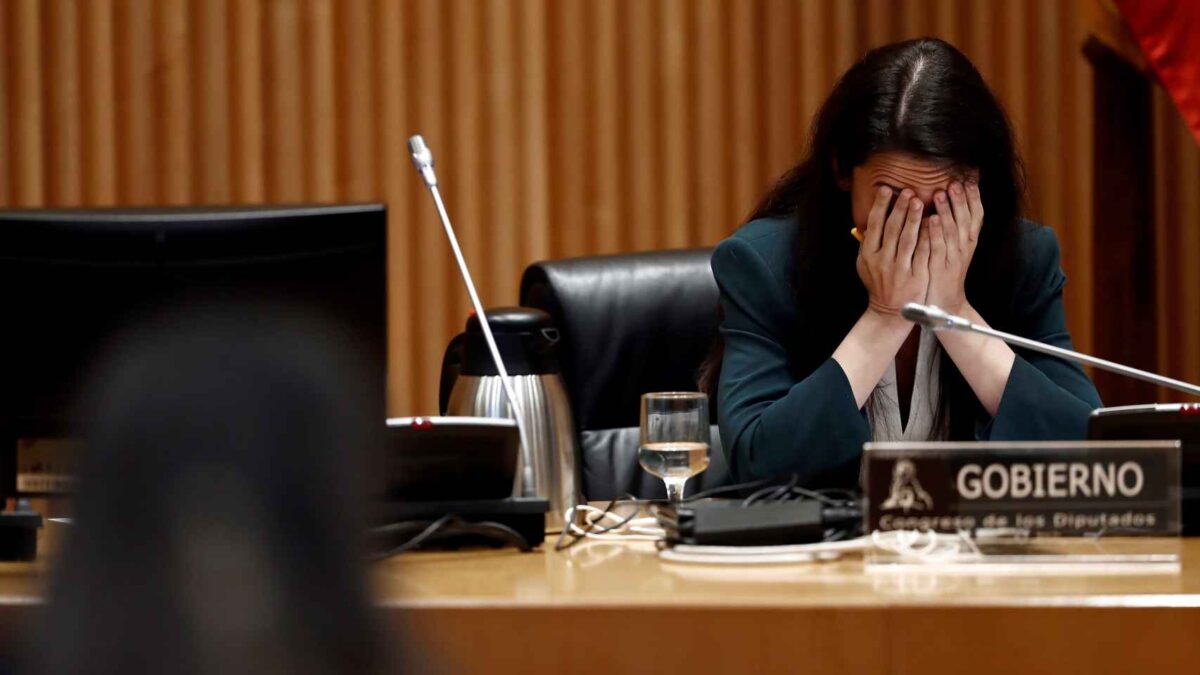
[(954, 232), (893, 263), (893, 260), (984, 363)]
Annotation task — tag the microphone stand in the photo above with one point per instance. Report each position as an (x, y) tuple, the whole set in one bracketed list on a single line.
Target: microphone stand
[(422, 158), (938, 319)]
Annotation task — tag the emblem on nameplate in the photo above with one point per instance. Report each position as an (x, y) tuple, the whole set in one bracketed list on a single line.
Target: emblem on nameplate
[(906, 493)]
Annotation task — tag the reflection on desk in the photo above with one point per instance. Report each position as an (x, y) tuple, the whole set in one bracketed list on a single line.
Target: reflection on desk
[(571, 612)]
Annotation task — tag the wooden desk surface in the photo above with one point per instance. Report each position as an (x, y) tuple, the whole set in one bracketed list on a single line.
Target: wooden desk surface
[(616, 608), (605, 608), (601, 574)]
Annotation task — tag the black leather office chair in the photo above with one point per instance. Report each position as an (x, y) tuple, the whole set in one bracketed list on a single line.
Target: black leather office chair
[(630, 324)]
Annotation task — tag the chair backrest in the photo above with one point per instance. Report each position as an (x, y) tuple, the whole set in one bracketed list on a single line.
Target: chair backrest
[(630, 324)]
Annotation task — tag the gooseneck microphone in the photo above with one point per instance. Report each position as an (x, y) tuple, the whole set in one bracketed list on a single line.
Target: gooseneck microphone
[(422, 158), (937, 318)]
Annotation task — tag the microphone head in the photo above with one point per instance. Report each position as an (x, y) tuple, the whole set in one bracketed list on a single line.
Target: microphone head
[(916, 313), (932, 316), (422, 159)]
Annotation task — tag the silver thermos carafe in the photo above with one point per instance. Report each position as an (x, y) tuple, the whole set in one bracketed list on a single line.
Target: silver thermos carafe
[(527, 340)]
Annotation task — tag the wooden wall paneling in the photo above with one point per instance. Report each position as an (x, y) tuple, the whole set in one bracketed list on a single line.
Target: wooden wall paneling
[(535, 141), (604, 135), (210, 91), (25, 105), (639, 65), (846, 47), (247, 106), (977, 43), (778, 98), (434, 278), (326, 67), (465, 187), (284, 98), (397, 180), (710, 139), (172, 69), (675, 204), (1075, 126), (6, 99), (356, 90), (568, 110), (137, 107), (561, 127), (503, 227), (877, 23), (745, 77), (60, 41), (815, 24), (947, 21)]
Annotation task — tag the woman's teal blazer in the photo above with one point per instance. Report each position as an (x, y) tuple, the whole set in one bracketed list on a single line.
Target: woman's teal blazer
[(776, 421)]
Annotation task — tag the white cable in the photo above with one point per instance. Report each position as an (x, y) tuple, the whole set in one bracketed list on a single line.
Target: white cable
[(636, 529)]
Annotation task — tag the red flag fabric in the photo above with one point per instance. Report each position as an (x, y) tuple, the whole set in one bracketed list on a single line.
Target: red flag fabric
[(1169, 33)]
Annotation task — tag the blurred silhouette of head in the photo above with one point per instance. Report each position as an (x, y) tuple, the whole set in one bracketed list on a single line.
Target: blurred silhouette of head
[(220, 512)]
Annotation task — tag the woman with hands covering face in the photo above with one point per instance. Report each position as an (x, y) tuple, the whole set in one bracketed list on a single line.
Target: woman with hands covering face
[(913, 156)]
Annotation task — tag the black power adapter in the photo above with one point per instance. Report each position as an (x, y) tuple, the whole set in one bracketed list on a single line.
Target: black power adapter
[(730, 523)]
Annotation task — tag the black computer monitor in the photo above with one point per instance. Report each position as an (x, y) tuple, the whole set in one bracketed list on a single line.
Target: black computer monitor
[(71, 281)]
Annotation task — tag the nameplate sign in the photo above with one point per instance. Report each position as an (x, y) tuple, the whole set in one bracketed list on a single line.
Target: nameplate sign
[(1115, 488)]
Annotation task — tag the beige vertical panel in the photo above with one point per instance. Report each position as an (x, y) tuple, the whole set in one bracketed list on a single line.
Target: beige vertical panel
[(502, 224), (396, 178), (639, 69), (246, 85), (813, 28), (99, 152), (710, 138), (321, 99), (880, 21), (604, 138), (1044, 118), (6, 131), (914, 20), (568, 120), (746, 164), (535, 142), (981, 34), (172, 68), (1012, 77), (26, 81), (210, 91), (946, 21), (63, 167), (356, 170), (675, 215), (845, 48), (465, 188), (780, 74), (137, 110), (437, 288), (1076, 126), (284, 102)]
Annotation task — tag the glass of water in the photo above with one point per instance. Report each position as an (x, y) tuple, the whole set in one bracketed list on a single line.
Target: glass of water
[(675, 436)]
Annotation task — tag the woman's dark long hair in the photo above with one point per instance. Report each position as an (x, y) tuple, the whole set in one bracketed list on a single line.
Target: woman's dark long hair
[(921, 97)]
